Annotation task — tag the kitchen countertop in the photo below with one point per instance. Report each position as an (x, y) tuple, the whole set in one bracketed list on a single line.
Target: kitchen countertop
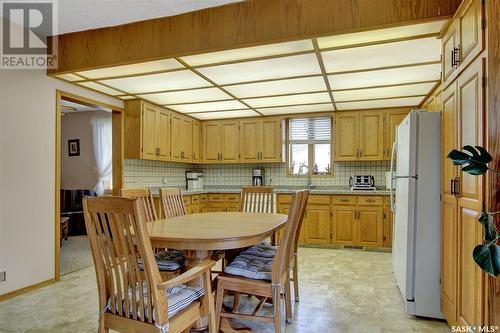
[(278, 189)]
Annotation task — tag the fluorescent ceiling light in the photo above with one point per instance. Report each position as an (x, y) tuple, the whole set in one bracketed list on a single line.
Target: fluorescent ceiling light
[(126, 97), (225, 114), (278, 87), (157, 82), (187, 96), (305, 64), (322, 97), (383, 55), (418, 89), (380, 103), (101, 88), (379, 35), (133, 69), (249, 52), (211, 106), (386, 77), (296, 109), (70, 77)]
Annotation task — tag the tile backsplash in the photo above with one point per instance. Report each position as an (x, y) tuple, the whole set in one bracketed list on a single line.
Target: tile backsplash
[(141, 173)]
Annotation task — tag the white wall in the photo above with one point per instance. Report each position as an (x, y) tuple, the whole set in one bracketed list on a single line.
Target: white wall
[(27, 174), (79, 172)]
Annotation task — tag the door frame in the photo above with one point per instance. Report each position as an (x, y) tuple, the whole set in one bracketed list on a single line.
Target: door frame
[(117, 149)]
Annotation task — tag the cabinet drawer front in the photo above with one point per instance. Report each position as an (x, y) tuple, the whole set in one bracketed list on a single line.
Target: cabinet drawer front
[(203, 197), (233, 197), (195, 209), (370, 200), (344, 200), (187, 200), (216, 198), (284, 198), (195, 199), (232, 207), (319, 199)]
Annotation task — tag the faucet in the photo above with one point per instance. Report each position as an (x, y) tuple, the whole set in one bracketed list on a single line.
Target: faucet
[(309, 184)]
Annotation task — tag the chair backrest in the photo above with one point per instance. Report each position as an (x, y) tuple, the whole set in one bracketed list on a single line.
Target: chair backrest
[(172, 202), (257, 199), (286, 248), (119, 238), (145, 196)]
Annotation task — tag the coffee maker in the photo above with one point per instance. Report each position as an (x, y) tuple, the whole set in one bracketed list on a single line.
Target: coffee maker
[(258, 177)]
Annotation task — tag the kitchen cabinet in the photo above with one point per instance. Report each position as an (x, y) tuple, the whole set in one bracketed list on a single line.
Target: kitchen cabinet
[(387, 239), (182, 139), (359, 135), (370, 222), (147, 129), (464, 40), (316, 224), (196, 141), (392, 120), (344, 224), (221, 141), (260, 140)]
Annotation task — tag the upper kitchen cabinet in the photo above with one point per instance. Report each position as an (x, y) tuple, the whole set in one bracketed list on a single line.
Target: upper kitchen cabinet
[(196, 141), (147, 129), (220, 141), (359, 136), (182, 139), (260, 140), (392, 120), (464, 39)]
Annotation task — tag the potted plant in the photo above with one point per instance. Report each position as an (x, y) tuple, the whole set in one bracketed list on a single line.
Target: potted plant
[(474, 161)]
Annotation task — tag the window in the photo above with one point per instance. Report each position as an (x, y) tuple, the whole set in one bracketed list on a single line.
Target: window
[(310, 144)]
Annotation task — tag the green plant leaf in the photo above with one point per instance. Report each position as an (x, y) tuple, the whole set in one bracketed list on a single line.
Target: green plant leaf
[(474, 159), (488, 258), (490, 230)]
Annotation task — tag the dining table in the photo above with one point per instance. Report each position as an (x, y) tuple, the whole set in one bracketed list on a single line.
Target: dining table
[(199, 235)]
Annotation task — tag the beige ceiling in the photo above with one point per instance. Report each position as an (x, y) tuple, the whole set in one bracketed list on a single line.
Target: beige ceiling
[(393, 67)]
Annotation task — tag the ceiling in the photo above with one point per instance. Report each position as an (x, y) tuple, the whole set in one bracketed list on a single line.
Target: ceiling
[(78, 15), (392, 67), (71, 107)]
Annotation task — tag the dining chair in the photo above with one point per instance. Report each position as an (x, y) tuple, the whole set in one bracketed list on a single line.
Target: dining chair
[(169, 261), (264, 277), (257, 199), (172, 203), (132, 295)]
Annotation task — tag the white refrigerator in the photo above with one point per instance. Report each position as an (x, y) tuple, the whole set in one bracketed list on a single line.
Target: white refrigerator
[(415, 203)]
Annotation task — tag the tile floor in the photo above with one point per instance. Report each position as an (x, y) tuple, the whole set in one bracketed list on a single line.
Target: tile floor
[(341, 291)]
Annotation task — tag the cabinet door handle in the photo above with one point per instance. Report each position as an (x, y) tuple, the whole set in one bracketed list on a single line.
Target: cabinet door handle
[(182, 154), (456, 186), (456, 56), (452, 186), (344, 199)]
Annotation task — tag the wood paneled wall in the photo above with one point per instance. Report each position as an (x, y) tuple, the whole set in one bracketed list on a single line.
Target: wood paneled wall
[(493, 77), (237, 25)]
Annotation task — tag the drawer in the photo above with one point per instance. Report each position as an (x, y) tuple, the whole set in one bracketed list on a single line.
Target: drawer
[(195, 199), (232, 207), (344, 200), (216, 197), (233, 197), (195, 209), (370, 200), (187, 200), (319, 199), (203, 197), (284, 198)]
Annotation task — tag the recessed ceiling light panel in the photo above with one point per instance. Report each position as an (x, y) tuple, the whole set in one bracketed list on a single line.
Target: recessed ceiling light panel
[(278, 87), (225, 114), (296, 109), (206, 107), (380, 103), (418, 89), (69, 77), (133, 69), (101, 88), (322, 97), (187, 96)]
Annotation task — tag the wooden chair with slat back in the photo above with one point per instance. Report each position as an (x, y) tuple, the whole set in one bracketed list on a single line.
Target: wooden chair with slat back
[(172, 203), (129, 284), (278, 278), (257, 199), (146, 197)]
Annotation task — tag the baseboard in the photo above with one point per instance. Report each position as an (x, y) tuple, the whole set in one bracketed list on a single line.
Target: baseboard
[(25, 290)]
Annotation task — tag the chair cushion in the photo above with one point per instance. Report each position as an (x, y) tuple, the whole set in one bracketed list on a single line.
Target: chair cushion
[(179, 298), (252, 267), (167, 261), (261, 250)]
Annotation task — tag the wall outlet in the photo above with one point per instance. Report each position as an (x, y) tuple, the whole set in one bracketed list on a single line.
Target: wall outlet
[(3, 276)]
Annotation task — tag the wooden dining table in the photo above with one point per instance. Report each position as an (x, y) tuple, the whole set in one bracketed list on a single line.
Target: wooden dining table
[(199, 235)]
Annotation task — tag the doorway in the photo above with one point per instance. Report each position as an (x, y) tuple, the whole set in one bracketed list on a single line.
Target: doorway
[(89, 162)]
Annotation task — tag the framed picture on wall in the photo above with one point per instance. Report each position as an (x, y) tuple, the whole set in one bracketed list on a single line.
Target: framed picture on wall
[(74, 147)]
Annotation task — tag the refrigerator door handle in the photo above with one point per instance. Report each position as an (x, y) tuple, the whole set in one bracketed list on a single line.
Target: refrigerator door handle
[(405, 177), (391, 191)]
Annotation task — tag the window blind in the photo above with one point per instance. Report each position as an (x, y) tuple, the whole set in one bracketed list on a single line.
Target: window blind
[(310, 130)]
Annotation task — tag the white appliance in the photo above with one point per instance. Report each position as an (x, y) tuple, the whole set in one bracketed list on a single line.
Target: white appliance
[(415, 203), (194, 180)]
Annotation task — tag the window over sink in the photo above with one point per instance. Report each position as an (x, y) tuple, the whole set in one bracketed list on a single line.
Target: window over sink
[(309, 142)]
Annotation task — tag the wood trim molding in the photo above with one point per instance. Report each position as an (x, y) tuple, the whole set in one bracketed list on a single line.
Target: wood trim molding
[(242, 24), (25, 290), (493, 139)]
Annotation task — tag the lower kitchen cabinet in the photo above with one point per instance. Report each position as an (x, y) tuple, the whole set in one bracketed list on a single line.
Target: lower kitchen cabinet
[(344, 224), (316, 224), (387, 227), (370, 224)]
